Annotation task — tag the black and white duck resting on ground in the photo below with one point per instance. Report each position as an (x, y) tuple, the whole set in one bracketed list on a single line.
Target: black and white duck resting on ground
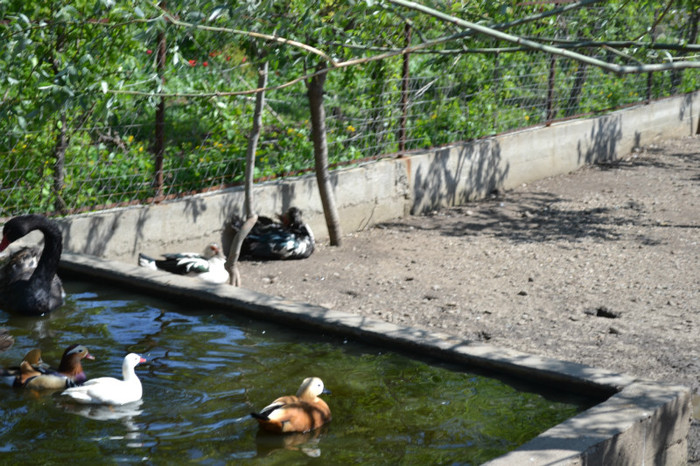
[(28, 281), (209, 267), (290, 238)]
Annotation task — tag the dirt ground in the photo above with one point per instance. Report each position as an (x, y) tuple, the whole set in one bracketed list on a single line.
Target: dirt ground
[(601, 267)]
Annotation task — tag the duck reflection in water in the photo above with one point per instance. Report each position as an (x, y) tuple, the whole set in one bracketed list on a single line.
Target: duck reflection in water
[(124, 413), (37, 328), (306, 442)]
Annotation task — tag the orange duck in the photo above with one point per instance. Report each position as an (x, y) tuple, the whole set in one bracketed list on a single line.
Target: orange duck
[(301, 413)]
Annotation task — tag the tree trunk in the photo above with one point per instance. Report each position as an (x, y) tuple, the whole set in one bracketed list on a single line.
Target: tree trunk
[(251, 217), (253, 140), (232, 259), (318, 135)]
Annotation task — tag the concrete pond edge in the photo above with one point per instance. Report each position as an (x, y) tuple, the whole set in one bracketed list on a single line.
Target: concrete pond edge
[(640, 421)]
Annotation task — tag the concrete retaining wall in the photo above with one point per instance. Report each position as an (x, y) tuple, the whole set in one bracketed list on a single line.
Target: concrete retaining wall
[(387, 189)]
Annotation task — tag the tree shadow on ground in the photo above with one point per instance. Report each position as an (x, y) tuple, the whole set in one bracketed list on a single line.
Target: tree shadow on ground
[(532, 217), (548, 217), (536, 217), (670, 162)]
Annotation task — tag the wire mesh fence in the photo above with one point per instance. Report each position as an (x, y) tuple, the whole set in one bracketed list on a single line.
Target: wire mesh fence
[(105, 105)]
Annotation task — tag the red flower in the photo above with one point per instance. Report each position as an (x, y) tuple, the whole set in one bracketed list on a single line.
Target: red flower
[(149, 51), (206, 63), (243, 60), (192, 62), (228, 58)]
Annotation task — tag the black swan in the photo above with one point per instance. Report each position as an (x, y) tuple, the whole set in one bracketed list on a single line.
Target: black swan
[(290, 238), (210, 267), (28, 285)]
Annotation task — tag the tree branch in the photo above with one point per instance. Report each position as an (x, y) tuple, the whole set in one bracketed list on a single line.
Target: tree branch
[(257, 35), (522, 44), (235, 251), (619, 69)]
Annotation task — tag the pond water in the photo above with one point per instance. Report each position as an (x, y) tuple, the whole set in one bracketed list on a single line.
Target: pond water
[(207, 371)]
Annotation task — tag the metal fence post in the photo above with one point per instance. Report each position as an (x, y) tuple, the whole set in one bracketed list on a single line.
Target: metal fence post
[(550, 90), (404, 91), (159, 146)]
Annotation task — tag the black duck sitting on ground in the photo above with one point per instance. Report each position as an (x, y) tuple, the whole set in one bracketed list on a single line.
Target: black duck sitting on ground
[(290, 238), (28, 281)]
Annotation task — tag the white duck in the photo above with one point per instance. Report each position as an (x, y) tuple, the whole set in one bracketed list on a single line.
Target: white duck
[(108, 390), (209, 267)]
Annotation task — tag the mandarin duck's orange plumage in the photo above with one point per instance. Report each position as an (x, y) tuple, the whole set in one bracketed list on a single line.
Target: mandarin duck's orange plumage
[(17, 376), (301, 413)]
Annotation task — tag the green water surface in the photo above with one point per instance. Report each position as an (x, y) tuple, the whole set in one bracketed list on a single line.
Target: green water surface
[(207, 371)]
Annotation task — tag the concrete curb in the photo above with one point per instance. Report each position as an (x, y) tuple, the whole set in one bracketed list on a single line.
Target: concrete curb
[(642, 422)]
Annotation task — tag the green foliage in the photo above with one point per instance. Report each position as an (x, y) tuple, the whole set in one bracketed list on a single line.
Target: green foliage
[(95, 63)]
